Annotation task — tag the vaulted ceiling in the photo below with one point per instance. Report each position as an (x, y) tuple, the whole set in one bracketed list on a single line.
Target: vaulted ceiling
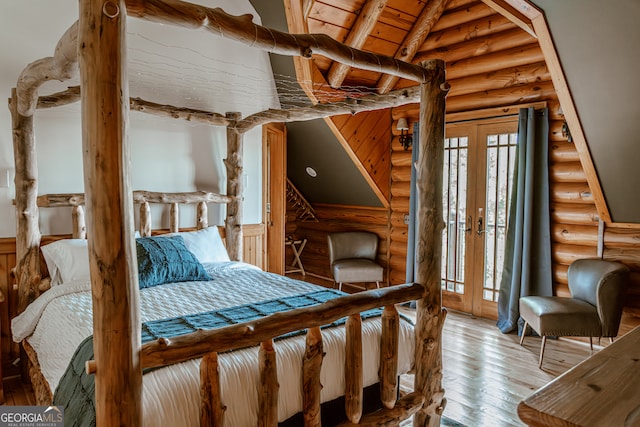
[(472, 36)]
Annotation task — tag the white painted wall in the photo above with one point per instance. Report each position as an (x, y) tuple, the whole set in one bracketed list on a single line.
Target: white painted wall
[(166, 155)]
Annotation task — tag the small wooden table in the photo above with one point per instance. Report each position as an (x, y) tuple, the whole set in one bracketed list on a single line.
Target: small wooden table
[(603, 390)]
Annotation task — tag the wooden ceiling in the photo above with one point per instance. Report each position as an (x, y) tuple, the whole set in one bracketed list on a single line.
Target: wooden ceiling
[(410, 31)]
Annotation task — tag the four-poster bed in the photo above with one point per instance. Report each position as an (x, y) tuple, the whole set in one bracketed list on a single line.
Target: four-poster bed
[(97, 44)]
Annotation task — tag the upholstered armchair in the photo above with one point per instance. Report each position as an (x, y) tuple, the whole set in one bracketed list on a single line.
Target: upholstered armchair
[(597, 291), (352, 257)]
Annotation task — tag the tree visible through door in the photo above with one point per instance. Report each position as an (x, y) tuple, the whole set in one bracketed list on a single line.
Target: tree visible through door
[(479, 163)]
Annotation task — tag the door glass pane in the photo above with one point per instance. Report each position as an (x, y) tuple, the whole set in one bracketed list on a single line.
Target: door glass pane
[(454, 193), (500, 167)]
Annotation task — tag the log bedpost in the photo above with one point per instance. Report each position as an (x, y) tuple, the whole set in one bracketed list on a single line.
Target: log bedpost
[(311, 385), (211, 408), (269, 386), (233, 162), (430, 315), (109, 202), (353, 392), (26, 180), (389, 356)]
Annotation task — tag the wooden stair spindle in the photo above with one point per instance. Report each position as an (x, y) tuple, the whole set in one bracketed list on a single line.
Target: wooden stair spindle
[(211, 407), (353, 394), (311, 386), (268, 392), (302, 207), (389, 356)]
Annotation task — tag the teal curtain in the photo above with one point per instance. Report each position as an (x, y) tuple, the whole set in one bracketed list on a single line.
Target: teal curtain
[(527, 265)]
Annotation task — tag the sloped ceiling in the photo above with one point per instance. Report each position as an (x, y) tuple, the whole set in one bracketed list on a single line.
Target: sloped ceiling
[(312, 144), (598, 45)]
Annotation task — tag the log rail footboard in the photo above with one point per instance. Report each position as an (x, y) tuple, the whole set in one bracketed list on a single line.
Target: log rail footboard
[(207, 344)]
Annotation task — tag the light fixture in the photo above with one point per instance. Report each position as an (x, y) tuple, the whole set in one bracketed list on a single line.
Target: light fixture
[(311, 172), (405, 138), (566, 132)]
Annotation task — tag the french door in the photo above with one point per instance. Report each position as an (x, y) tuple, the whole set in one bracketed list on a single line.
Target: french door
[(479, 163)]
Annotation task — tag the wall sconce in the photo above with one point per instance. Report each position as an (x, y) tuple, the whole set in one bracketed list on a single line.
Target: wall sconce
[(405, 138), (565, 131)]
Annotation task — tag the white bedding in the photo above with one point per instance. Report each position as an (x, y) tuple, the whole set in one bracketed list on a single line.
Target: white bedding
[(171, 395)]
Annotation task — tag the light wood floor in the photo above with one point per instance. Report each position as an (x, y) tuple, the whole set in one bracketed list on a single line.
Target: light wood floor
[(486, 373)]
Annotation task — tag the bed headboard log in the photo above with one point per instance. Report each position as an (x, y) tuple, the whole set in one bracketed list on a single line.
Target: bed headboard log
[(144, 199)]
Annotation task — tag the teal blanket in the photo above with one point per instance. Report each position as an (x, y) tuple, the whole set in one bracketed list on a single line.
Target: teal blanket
[(76, 390)]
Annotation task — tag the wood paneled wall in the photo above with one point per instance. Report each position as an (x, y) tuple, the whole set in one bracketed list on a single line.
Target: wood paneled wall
[(10, 304), (253, 253), (367, 135)]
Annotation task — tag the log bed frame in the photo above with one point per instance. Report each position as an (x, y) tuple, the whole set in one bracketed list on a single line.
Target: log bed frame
[(96, 45)]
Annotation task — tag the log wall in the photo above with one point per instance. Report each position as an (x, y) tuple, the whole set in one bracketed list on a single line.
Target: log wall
[(336, 218), (490, 63), (253, 253)]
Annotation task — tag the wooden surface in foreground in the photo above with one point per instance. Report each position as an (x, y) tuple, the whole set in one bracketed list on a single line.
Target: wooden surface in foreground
[(610, 377)]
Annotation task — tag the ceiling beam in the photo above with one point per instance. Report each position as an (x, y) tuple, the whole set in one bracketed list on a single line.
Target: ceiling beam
[(509, 10), (371, 102), (414, 39), (242, 29), (308, 5), (360, 31)]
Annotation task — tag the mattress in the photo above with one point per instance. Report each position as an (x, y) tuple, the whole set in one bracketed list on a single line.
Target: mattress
[(57, 322)]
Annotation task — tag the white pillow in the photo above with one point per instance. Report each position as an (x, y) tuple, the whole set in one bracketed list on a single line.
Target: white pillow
[(205, 244), (67, 260)]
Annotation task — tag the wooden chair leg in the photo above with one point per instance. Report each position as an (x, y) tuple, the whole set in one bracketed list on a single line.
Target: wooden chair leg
[(340, 286), (591, 344), (544, 342), (377, 284), (524, 332)]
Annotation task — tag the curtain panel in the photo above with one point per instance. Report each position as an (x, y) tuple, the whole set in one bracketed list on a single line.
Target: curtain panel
[(527, 266)]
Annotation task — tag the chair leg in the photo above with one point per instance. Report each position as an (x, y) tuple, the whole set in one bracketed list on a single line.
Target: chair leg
[(524, 332), (591, 344), (544, 342), (377, 284), (340, 286)]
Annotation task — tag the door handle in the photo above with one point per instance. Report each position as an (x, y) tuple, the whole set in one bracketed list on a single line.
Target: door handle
[(469, 226), (480, 229)]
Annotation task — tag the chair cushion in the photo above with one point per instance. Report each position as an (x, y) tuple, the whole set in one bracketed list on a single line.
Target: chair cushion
[(357, 270), (555, 316)]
